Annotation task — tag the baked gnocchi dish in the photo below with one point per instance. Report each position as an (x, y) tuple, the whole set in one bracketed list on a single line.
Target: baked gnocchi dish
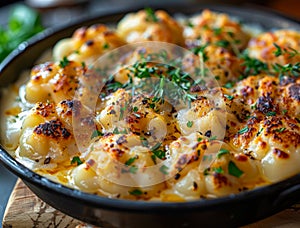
[(160, 108)]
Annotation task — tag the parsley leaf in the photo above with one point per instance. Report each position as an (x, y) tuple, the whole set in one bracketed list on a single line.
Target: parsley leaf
[(76, 160), (64, 62), (243, 130), (151, 17), (234, 170), (189, 124), (222, 152), (96, 133), (136, 192), (164, 169)]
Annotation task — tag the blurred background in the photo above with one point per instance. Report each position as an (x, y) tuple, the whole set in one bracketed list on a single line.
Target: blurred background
[(62, 11)]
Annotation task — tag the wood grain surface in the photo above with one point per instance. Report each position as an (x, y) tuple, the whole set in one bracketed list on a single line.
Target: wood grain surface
[(24, 209)]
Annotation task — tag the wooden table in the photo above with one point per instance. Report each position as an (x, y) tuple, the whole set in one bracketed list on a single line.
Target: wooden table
[(24, 209)]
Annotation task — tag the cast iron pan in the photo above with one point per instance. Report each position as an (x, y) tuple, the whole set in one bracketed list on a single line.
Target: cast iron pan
[(233, 210)]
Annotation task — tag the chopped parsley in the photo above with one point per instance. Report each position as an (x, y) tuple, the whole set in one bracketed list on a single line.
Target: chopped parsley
[(222, 152), (150, 15), (76, 160), (106, 46), (189, 24), (222, 43), (117, 131), (64, 62), (234, 170), (212, 138), (271, 113), (200, 50), (280, 129), (144, 141), (217, 31), (133, 169), (131, 160), (229, 97), (189, 124), (136, 192), (243, 130), (229, 85), (218, 170), (164, 169), (158, 153), (96, 133), (114, 86), (260, 131)]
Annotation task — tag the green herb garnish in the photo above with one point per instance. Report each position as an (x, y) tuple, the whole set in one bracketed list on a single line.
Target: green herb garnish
[(271, 113), (260, 131), (64, 62), (151, 17), (222, 152), (280, 129), (133, 169), (222, 43), (229, 97), (23, 23), (96, 133), (136, 192), (106, 46), (189, 124), (253, 66), (131, 160), (282, 51), (200, 50), (114, 86), (243, 130), (212, 138), (229, 85), (292, 69), (217, 31), (234, 170), (76, 160), (218, 170), (164, 169)]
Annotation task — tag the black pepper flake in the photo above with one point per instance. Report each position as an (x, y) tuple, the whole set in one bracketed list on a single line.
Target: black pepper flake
[(177, 176), (47, 160), (195, 185), (89, 42), (112, 112), (208, 133), (204, 147)]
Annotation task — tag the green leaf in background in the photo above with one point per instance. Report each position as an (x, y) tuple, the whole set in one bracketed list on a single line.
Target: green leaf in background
[(23, 23)]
